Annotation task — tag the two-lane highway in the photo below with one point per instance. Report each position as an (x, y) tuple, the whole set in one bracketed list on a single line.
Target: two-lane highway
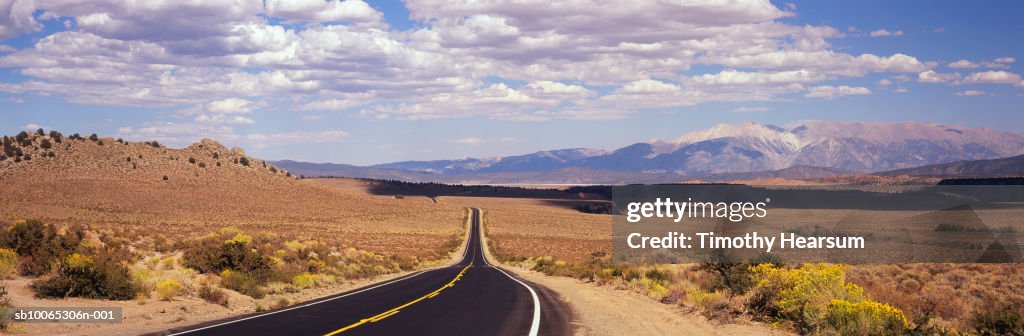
[(471, 297)]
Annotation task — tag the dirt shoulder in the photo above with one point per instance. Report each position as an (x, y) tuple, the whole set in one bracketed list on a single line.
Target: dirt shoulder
[(599, 311)]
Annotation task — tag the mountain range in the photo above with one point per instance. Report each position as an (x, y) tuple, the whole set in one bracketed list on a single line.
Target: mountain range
[(806, 150)]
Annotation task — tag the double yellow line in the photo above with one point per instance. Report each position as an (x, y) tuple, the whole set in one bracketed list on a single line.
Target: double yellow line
[(395, 310)]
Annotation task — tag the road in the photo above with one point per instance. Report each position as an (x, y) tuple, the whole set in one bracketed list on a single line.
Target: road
[(471, 297)]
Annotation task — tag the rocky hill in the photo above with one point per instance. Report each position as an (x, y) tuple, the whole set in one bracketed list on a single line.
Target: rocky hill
[(51, 155)]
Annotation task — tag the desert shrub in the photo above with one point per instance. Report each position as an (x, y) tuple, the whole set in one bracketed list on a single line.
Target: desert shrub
[(305, 280), (165, 178), (244, 161), (212, 256), (192, 160), (999, 319), (5, 304), (40, 132), (38, 245), (8, 263), (98, 277), (241, 267), (817, 298), (212, 294), (168, 289), (26, 157), (21, 136), (729, 273), (243, 283), (865, 318), (94, 137), (56, 136), (45, 144)]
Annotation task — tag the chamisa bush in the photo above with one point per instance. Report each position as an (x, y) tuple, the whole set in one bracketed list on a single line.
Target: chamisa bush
[(240, 265), (8, 263), (5, 304), (816, 299), (168, 289), (39, 246), (99, 277)]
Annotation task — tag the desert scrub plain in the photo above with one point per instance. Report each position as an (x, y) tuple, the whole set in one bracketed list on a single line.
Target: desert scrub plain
[(811, 299), (178, 236)]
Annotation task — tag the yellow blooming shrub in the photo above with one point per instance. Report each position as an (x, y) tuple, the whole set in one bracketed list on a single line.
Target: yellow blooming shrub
[(865, 318), (816, 298)]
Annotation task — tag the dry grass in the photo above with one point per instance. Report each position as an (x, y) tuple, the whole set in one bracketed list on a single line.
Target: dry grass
[(96, 185), (950, 294), (534, 228)]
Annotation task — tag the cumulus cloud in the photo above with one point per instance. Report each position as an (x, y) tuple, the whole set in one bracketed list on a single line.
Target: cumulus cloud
[(467, 141), (301, 137), (324, 11), (885, 33), (963, 64), (1005, 60), (933, 77), (971, 93), (832, 92), (16, 17), (745, 109), (219, 60), (993, 77), (225, 111)]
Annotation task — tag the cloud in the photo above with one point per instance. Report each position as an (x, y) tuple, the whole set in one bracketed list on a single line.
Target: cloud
[(933, 77), (885, 33), (971, 93), (745, 109), (1005, 60), (832, 92), (33, 127), (6, 48), (183, 134), (16, 17), (468, 141), (289, 138), (324, 11), (963, 64), (884, 82), (13, 100), (993, 77), (224, 111), (330, 105), (525, 60)]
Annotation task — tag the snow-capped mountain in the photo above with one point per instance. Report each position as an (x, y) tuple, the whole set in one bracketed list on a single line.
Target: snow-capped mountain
[(749, 147)]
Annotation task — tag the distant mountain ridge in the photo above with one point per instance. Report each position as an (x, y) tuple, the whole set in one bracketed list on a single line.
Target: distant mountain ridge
[(748, 147), (1011, 166)]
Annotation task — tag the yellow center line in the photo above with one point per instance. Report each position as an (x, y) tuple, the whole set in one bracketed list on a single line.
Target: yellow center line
[(395, 310)]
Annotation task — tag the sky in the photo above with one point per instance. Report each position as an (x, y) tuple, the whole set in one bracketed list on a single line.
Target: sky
[(373, 82)]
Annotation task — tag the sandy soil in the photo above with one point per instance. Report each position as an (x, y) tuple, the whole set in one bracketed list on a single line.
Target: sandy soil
[(154, 315)]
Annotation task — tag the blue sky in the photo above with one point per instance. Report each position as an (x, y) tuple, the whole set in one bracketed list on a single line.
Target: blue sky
[(355, 82)]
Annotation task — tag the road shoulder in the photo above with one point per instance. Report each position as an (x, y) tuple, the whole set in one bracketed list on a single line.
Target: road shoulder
[(599, 311)]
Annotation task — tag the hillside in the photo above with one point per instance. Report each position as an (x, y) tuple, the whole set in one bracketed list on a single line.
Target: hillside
[(1005, 166), (791, 173), (185, 192)]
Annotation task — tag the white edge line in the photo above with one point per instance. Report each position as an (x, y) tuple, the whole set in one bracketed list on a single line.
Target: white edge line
[(465, 251), (536, 301)]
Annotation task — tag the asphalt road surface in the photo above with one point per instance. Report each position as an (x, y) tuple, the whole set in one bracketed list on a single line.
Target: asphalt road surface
[(469, 298)]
